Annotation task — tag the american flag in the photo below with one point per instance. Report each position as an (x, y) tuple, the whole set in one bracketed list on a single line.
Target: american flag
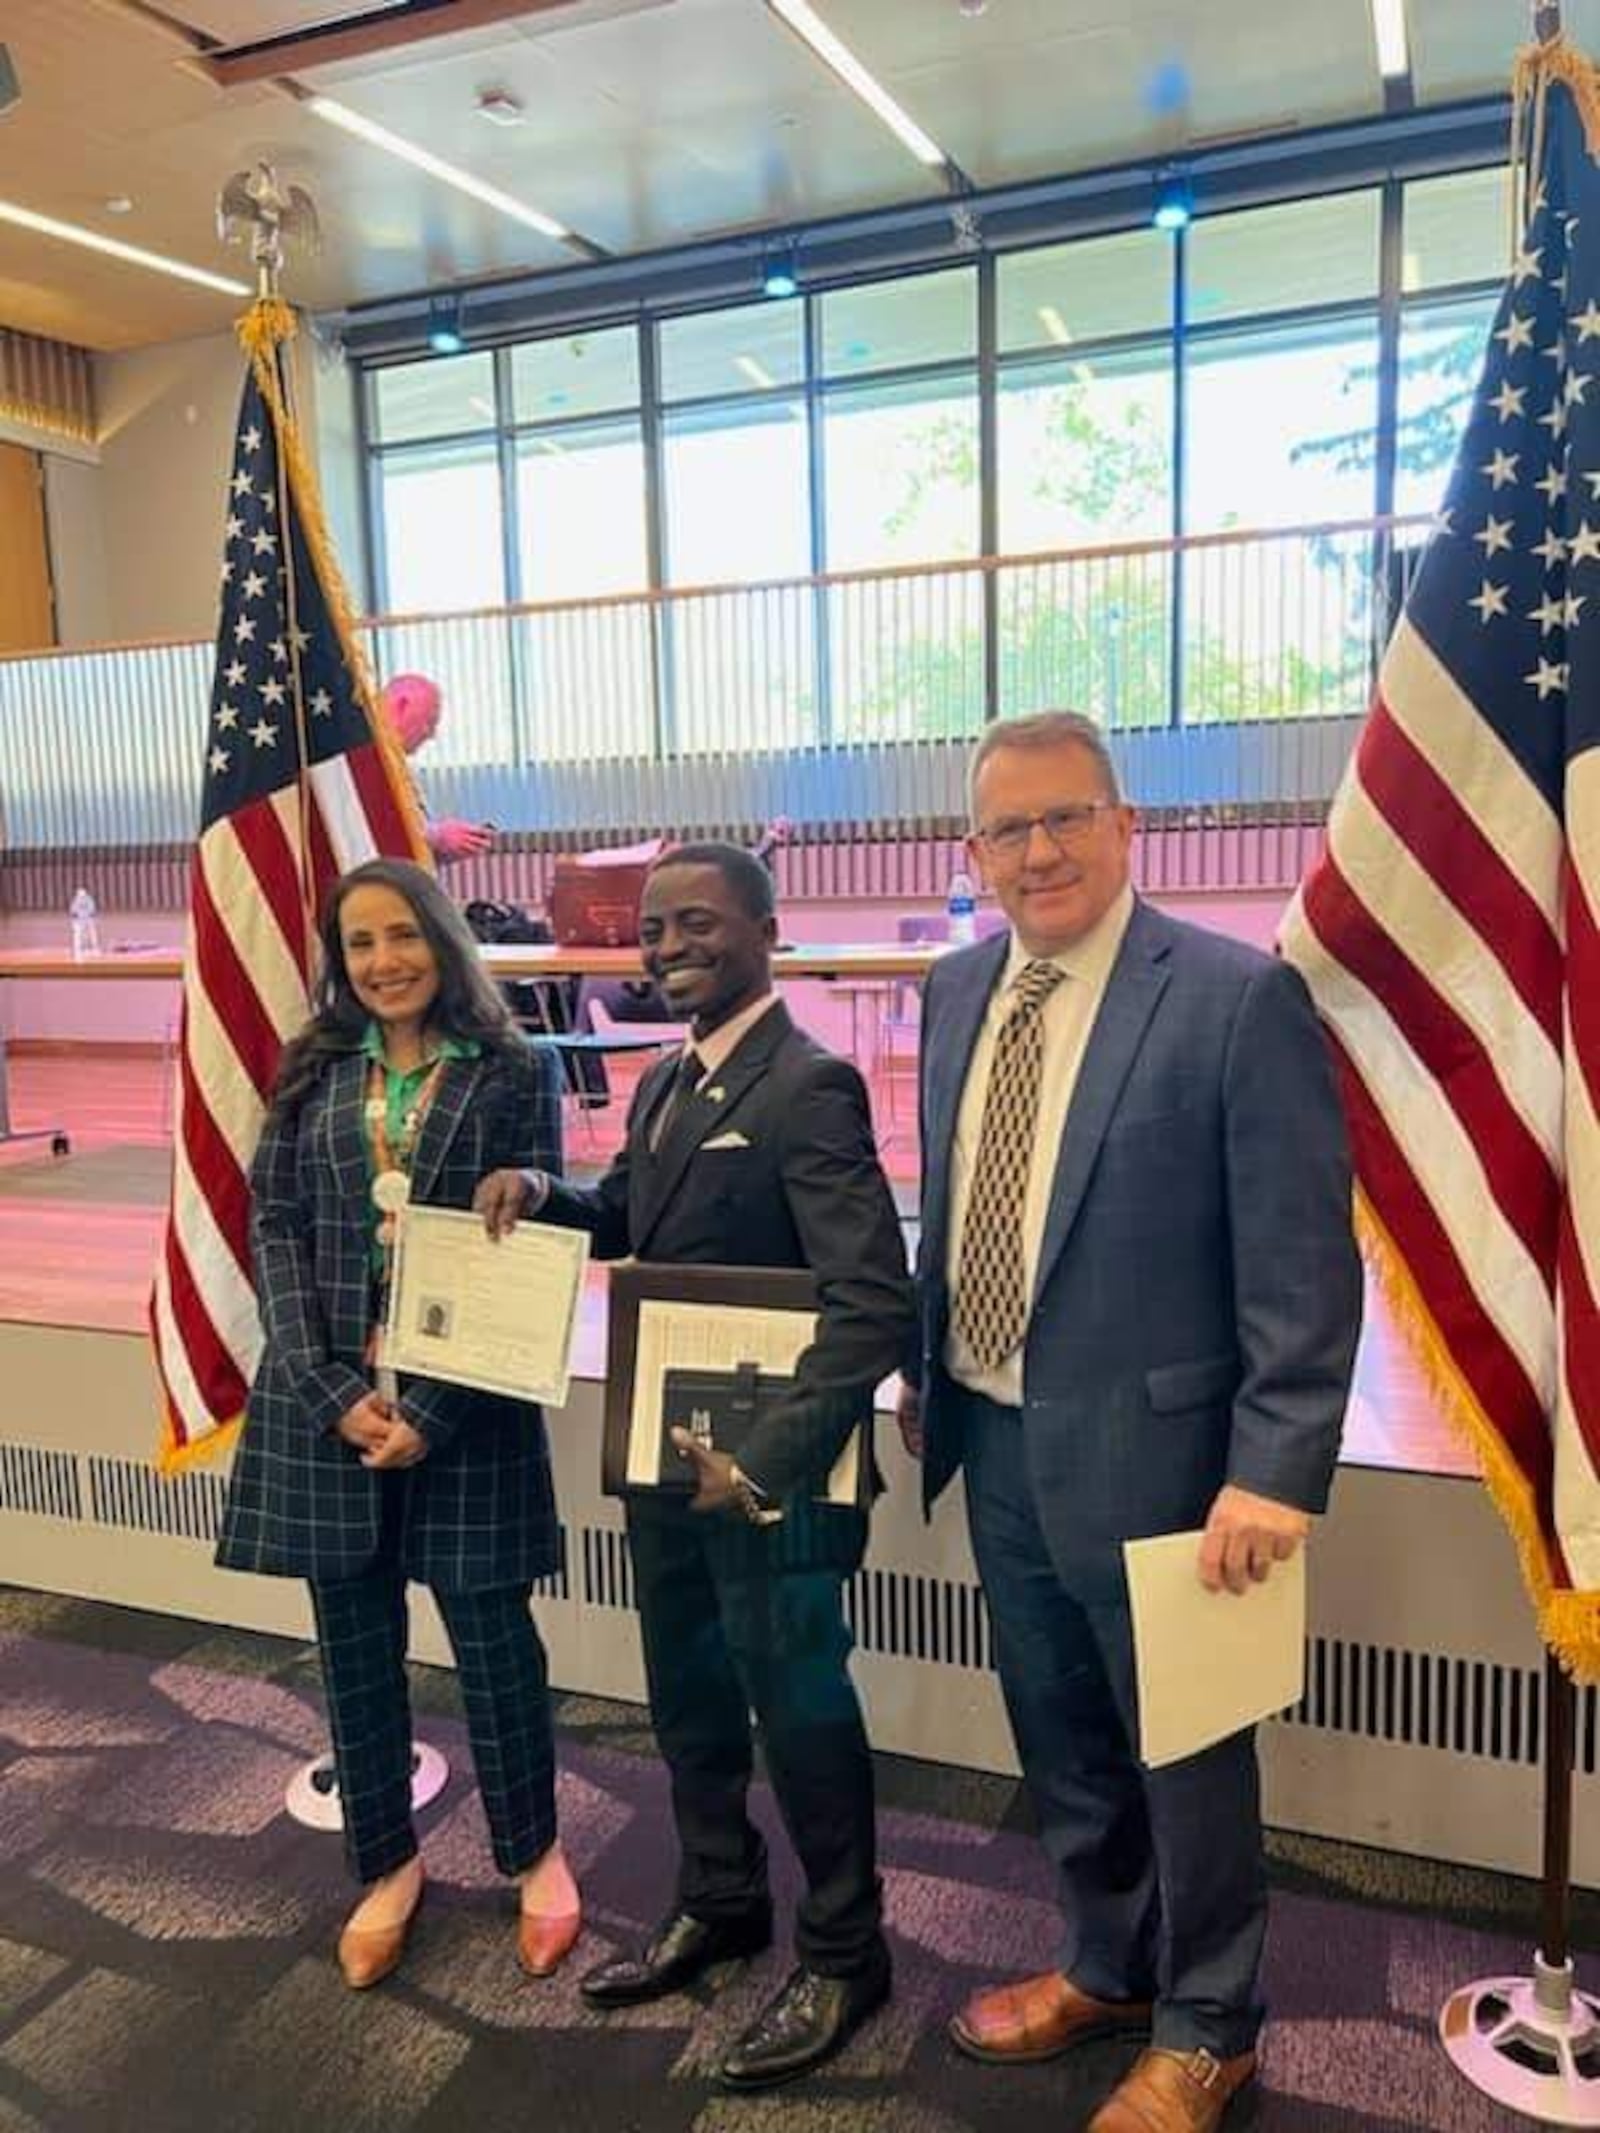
[(300, 782), (1450, 932)]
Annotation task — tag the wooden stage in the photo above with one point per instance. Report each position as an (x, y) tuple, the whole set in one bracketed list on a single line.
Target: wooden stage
[(78, 1235)]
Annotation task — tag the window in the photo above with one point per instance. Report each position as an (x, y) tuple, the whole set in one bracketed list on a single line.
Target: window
[(1099, 288), (575, 374), (587, 675), (905, 657), (736, 490), (743, 669), (442, 528), (1456, 230), (752, 348), (893, 325), (1442, 350), (580, 511), (1282, 426), (1085, 450), (447, 396), (901, 473), (1086, 458), (1306, 253)]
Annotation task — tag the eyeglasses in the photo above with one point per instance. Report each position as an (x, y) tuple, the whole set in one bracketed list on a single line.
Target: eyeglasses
[(1008, 838)]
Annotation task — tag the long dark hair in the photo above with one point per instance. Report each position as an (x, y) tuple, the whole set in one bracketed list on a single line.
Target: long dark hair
[(467, 1005)]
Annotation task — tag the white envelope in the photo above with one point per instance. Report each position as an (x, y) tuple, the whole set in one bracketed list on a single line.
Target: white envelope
[(724, 1140), (1210, 1663)]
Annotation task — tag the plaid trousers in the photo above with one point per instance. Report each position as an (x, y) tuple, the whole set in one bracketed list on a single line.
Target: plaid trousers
[(500, 1662)]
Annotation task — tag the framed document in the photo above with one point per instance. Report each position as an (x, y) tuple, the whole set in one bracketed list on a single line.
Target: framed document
[(707, 1348), (496, 1314)]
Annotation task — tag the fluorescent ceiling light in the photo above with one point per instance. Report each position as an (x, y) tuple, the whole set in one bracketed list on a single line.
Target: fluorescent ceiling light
[(1389, 28), (1054, 324), (365, 129), (754, 371), (804, 20), (134, 255)]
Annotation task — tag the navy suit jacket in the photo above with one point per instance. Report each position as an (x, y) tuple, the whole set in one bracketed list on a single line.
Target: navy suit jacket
[(1198, 1298), (300, 1503)]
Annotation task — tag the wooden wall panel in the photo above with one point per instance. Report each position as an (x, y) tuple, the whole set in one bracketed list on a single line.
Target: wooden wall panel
[(27, 608)]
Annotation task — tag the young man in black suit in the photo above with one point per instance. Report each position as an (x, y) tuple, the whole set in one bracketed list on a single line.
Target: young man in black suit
[(753, 1147)]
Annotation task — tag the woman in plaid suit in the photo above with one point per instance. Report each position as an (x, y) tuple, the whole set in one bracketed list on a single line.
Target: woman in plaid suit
[(409, 1082)]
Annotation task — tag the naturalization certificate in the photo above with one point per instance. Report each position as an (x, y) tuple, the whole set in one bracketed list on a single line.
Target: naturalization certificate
[(496, 1314)]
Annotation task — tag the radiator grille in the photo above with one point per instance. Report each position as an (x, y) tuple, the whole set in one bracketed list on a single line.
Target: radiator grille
[(558, 1585), (39, 1481), (1458, 1705), (1468, 1707), (904, 1616), (125, 1492), (607, 1568)]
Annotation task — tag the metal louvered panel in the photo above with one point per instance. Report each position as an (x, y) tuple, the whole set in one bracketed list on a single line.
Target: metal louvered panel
[(130, 1494), (49, 384), (102, 748), (849, 703), (41, 1481)]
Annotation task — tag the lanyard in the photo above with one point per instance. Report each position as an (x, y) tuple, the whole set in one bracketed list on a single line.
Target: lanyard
[(391, 1161), (391, 1186)]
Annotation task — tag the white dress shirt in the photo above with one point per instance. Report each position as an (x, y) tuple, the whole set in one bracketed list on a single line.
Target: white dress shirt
[(718, 1048), (1068, 1016)]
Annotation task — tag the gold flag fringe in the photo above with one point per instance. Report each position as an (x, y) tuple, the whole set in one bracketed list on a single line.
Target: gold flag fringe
[(174, 1458), (268, 325), (1569, 1622)]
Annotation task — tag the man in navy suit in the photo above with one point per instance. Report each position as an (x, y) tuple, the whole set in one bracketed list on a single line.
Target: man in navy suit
[(753, 1148), (1140, 1301)]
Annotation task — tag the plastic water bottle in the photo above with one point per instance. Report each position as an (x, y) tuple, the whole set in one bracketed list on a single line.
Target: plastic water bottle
[(961, 908), (85, 927)]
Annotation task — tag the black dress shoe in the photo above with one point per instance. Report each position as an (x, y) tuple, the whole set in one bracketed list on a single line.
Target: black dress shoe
[(676, 1953), (806, 2022)]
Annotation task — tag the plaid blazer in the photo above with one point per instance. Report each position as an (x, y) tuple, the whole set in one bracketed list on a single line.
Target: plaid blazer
[(480, 1510)]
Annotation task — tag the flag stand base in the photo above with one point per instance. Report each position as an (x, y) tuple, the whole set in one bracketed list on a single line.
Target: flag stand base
[(1531, 2043), (313, 1793)]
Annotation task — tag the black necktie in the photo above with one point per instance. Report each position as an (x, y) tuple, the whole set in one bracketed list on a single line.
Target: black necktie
[(691, 1071)]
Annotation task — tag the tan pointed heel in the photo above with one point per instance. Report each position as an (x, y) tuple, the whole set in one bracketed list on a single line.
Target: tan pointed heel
[(546, 1939), (369, 1954)]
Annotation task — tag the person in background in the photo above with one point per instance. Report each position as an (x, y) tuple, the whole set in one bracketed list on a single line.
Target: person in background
[(752, 1147), (415, 705), (408, 1083), (1140, 1302)]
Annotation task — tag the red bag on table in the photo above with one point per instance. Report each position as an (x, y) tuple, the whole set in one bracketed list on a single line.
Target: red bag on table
[(594, 896)]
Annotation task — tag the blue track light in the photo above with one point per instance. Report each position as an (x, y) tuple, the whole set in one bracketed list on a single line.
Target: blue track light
[(444, 326), (1174, 208)]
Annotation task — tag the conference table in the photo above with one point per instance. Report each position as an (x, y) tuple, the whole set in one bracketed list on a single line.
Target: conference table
[(844, 963)]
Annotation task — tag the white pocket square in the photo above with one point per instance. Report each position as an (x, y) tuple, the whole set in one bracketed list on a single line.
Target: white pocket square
[(724, 1140)]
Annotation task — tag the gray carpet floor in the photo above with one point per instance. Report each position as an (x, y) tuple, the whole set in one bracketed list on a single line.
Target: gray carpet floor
[(166, 1934)]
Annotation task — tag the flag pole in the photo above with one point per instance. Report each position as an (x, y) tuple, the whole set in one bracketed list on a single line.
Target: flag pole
[(1532, 2043), (255, 204)]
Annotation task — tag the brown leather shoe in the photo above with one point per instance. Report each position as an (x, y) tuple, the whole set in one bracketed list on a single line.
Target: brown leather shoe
[(369, 1954), (1174, 2092), (1039, 2018), (546, 1939)]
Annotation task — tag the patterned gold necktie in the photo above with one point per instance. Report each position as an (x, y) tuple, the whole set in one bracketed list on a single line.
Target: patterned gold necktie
[(991, 1309)]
